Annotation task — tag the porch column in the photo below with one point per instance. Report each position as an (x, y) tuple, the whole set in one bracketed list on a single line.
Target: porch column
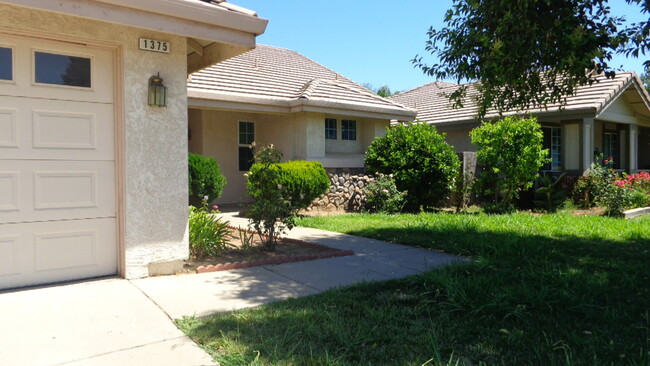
[(587, 143), (633, 146)]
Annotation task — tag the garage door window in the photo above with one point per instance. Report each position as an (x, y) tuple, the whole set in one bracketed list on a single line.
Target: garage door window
[(61, 69), (6, 64)]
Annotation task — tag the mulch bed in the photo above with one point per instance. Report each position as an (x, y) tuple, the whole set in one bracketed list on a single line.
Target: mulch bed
[(287, 250)]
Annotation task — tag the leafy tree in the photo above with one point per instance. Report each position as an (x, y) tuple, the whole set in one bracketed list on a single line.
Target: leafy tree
[(421, 162), (530, 52), (511, 152), (382, 91), (645, 78)]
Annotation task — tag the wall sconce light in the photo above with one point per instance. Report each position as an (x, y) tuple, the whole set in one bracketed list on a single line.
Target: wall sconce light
[(157, 92)]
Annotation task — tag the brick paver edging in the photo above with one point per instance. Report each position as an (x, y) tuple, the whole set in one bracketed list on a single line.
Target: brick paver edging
[(329, 253)]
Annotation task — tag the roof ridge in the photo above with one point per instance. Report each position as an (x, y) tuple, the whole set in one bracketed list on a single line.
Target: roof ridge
[(309, 88)]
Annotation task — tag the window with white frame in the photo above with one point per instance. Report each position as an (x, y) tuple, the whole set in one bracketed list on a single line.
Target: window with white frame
[(348, 130), (553, 142), (6, 63), (610, 147), (246, 139), (330, 129)]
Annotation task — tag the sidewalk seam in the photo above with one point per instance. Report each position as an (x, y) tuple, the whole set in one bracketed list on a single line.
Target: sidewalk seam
[(125, 349)]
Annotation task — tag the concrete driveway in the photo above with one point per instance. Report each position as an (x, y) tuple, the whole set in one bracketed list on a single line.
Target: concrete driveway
[(121, 322), (104, 322)]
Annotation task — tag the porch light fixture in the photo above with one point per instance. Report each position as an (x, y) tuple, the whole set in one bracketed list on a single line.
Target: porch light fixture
[(157, 92)]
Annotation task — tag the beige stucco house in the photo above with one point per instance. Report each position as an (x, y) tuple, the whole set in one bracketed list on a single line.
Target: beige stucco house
[(274, 95), (93, 179), (611, 116)]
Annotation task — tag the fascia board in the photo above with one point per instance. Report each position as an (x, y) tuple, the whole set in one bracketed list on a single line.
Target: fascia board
[(352, 109), (235, 106), (167, 23), (199, 12)]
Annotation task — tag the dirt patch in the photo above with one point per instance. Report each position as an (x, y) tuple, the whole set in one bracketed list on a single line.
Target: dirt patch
[(247, 250)]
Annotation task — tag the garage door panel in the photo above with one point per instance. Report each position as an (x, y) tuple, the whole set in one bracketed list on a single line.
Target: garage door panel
[(61, 190), (55, 130), (57, 162), (9, 250), (33, 253), (9, 191), (25, 83), (8, 127)]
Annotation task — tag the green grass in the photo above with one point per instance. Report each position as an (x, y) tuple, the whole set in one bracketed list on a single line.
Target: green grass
[(540, 290)]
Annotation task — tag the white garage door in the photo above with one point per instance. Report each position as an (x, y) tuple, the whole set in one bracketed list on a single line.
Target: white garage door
[(57, 162)]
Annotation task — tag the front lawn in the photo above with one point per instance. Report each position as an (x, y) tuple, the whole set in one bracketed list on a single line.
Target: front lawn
[(540, 290)]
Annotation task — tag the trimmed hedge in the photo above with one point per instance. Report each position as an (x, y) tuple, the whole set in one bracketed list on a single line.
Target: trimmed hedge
[(301, 181), (205, 179)]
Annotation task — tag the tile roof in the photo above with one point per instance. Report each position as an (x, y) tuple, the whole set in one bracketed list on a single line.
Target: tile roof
[(278, 76), (433, 105), (228, 6)]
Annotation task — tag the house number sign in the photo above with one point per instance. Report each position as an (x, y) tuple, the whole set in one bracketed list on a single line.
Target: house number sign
[(154, 45)]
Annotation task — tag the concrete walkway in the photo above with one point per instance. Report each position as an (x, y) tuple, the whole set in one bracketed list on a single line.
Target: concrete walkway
[(119, 322)]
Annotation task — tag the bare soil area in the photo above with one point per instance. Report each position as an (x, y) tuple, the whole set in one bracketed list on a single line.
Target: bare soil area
[(247, 247)]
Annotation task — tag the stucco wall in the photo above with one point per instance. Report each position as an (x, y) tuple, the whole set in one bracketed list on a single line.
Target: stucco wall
[(220, 139), (154, 163), (459, 139), (300, 136)]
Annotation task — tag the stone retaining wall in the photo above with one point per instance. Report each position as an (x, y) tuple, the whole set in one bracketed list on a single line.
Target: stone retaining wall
[(345, 192)]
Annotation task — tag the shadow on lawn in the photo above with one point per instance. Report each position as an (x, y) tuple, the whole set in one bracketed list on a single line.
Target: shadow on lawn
[(524, 299)]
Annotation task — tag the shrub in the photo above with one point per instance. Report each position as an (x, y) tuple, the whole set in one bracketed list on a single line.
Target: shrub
[(511, 153), (383, 196), (209, 236), (550, 197), (280, 190), (591, 188), (205, 179), (421, 162), (633, 191)]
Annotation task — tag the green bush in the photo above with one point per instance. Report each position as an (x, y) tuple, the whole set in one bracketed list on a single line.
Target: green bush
[(303, 181), (421, 162), (280, 190), (549, 196), (209, 236), (205, 179), (591, 188), (383, 196), (511, 152)]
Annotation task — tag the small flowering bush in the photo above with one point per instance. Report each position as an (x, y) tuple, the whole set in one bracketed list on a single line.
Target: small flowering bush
[(640, 181), (632, 191), (591, 188), (603, 186), (280, 190), (383, 196)]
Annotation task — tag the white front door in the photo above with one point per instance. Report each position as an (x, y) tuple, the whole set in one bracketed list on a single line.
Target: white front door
[(57, 162)]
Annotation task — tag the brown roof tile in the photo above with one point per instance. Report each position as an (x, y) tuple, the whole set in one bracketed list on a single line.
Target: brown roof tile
[(432, 103), (283, 75)]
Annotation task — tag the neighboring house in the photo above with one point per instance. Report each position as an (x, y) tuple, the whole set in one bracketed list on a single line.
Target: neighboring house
[(274, 95), (93, 180), (611, 116)]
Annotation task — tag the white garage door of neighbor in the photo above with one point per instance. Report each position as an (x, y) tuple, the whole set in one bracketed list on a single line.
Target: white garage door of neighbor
[(57, 162)]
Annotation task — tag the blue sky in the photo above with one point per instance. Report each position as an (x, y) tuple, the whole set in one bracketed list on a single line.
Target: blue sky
[(371, 41)]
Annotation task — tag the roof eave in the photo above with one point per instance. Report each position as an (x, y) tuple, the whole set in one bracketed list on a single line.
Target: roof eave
[(353, 109), (214, 100), (190, 19)]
